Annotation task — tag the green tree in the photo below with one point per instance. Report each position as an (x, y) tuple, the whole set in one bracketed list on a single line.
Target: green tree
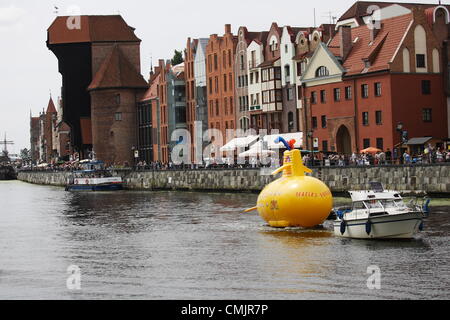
[(25, 154), (177, 58)]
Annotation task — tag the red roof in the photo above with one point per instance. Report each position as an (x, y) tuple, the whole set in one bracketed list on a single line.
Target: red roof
[(117, 72), (91, 29), (268, 63), (359, 9), (380, 52), (152, 92), (51, 106)]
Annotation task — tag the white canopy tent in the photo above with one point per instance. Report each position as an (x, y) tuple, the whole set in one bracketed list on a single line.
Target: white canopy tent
[(238, 143), (257, 150)]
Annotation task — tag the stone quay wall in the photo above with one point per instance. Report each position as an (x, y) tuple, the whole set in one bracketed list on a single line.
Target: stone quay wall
[(424, 179)]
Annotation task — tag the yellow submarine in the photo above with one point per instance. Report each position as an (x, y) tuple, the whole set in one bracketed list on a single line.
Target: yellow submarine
[(294, 200)]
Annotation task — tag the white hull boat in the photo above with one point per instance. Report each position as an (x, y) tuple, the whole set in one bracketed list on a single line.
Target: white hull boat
[(379, 214)]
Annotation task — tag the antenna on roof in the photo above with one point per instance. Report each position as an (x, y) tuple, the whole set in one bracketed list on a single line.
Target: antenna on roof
[(330, 16), (56, 10)]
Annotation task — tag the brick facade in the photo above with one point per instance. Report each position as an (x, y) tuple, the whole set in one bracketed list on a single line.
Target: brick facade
[(220, 53)]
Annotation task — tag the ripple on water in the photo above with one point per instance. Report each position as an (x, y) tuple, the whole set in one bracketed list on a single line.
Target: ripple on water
[(169, 245)]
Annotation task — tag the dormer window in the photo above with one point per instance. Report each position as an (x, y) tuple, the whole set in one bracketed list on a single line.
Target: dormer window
[(322, 72)]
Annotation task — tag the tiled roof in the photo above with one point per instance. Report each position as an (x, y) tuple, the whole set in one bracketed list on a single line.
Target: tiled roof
[(92, 29), (300, 56), (268, 63), (359, 8), (380, 52), (152, 92), (51, 106), (117, 72), (259, 37)]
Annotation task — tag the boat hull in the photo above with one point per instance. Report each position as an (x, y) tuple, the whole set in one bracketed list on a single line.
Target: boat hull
[(399, 226), (95, 188)]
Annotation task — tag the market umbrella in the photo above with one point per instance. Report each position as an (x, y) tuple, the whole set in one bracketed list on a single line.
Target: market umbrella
[(371, 150)]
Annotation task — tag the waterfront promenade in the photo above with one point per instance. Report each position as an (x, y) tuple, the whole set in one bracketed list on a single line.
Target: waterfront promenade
[(409, 179)]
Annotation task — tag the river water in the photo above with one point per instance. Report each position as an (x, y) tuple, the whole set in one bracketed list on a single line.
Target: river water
[(197, 246)]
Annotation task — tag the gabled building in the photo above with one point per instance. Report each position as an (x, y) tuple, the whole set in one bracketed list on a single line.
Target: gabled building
[(34, 138), (377, 87), (191, 103), (220, 53), (148, 121), (242, 65)]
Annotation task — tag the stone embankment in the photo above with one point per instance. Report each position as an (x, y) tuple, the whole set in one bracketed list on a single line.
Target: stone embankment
[(424, 179)]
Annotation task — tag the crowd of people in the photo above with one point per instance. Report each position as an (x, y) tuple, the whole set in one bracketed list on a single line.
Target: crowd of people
[(430, 155)]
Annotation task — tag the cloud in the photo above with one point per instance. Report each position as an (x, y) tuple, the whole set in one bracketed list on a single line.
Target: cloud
[(10, 16)]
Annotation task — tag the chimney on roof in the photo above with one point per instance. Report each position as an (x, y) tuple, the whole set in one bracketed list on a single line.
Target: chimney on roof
[(227, 28), (374, 30), (346, 41)]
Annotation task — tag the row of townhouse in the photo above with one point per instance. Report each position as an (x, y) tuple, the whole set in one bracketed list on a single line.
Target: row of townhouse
[(49, 135), (378, 78), (230, 83)]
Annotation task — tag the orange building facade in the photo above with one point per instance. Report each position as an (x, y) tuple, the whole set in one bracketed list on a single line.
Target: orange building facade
[(220, 53)]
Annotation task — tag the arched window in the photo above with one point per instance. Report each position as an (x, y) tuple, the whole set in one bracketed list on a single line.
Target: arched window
[(322, 72), (420, 39), (436, 61), (406, 61)]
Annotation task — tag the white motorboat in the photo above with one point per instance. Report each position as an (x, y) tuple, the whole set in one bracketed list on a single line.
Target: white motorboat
[(380, 214)]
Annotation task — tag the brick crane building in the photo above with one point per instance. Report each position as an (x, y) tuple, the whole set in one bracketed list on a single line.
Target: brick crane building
[(99, 60)]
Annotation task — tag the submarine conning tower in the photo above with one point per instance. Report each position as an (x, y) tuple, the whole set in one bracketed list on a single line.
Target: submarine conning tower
[(99, 60), (292, 161)]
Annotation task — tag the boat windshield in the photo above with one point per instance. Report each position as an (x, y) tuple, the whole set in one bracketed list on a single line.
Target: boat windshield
[(373, 204), (92, 174), (393, 204)]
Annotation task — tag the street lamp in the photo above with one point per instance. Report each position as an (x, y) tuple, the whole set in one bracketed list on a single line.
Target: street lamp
[(400, 128)]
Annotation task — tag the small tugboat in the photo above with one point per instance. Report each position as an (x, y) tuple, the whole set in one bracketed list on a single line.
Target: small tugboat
[(380, 214), (93, 177)]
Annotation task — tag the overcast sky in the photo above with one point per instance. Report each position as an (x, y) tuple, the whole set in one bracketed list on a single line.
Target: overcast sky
[(29, 71)]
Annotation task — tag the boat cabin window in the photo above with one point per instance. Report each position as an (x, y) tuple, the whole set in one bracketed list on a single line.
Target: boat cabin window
[(373, 204), (389, 204), (359, 206)]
